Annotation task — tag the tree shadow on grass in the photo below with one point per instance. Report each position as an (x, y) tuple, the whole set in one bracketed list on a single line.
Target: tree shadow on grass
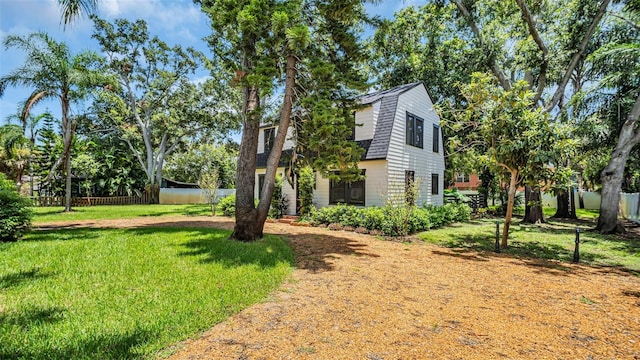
[(91, 346), (543, 257), (17, 278), (63, 232), (28, 318)]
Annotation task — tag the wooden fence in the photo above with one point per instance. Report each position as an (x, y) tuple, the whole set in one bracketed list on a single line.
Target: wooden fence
[(475, 201), (84, 201)]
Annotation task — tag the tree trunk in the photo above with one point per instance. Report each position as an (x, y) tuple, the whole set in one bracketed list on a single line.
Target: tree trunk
[(565, 208), (67, 138), (507, 218), (580, 191), (611, 176), (533, 206), (249, 219)]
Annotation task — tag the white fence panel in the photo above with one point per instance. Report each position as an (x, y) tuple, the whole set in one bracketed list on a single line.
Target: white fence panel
[(189, 196)]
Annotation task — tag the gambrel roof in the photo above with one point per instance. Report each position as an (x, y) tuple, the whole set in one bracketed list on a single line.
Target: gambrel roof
[(388, 104)]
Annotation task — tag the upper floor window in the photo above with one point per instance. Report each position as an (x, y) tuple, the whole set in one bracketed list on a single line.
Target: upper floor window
[(415, 130), (436, 138), (269, 136)]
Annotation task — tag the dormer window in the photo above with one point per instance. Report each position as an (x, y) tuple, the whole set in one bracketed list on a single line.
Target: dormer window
[(269, 136), (415, 130)]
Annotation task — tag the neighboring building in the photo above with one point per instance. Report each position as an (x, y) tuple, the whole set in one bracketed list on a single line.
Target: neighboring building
[(400, 132), (466, 182)]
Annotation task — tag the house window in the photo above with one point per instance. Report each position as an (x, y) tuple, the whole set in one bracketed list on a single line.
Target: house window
[(415, 130), (436, 138), (269, 136), (409, 188), (462, 178), (435, 183), (260, 184), (342, 192)]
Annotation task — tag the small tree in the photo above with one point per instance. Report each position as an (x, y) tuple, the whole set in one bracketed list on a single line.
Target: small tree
[(209, 183), (86, 167), (306, 183), (518, 137), (15, 212)]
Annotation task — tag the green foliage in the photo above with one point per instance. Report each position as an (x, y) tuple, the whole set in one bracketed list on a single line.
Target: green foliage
[(128, 293), (198, 159), (392, 220), (227, 205), (553, 240), (306, 183), (209, 183), (55, 213), (15, 212), (279, 201)]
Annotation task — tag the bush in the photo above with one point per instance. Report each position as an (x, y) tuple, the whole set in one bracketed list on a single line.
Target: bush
[(228, 205), (15, 214), (279, 202), (306, 182), (419, 221), (390, 220)]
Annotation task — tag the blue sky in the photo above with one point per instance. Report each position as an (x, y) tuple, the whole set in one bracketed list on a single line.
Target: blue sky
[(174, 21)]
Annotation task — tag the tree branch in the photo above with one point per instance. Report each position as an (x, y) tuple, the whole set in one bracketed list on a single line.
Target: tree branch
[(531, 25), (577, 56), (493, 64)]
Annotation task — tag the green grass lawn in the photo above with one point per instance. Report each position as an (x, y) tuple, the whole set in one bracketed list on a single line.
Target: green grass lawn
[(553, 240), (127, 293), (46, 214)]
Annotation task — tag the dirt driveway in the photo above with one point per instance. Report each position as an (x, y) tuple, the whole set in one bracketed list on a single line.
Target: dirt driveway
[(356, 297)]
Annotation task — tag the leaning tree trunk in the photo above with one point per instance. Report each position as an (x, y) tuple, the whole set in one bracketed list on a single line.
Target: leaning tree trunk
[(533, 206), (580, 191), (250, 220), (611, 176)]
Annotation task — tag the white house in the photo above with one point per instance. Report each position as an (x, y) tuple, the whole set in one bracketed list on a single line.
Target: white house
[(400, 132)]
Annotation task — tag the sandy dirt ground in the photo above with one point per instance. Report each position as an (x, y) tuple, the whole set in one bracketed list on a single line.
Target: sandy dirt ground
[(355, 296)]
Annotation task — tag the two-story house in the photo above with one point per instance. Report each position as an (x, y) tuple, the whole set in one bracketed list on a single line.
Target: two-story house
[(400, 131)]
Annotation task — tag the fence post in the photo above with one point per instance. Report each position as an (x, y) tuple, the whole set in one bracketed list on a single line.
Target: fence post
[(576, 251), (497, 236)]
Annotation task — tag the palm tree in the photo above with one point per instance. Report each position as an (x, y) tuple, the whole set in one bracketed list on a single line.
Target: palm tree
[(72, 9), (14, 152), (53, 73)]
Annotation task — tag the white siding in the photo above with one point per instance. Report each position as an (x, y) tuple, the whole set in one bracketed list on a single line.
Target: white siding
[(423, 161), (288, 144), (287, 190), (364, 117), (375, 185)]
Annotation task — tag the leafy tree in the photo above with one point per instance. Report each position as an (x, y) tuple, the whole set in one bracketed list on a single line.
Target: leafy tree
[(15, 212), (54, 73), (618, 62), (209, 183), (306, 184), (85, 167), (271, 44), (199, 159), (518, 138), (14, 152), (155, 107)]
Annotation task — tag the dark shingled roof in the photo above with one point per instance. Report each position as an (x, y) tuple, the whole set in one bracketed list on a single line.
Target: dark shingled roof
[(261, 159), (382, 133), (377, 147)]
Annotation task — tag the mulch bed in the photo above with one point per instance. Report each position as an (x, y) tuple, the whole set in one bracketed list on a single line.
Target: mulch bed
[(354, 296)]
